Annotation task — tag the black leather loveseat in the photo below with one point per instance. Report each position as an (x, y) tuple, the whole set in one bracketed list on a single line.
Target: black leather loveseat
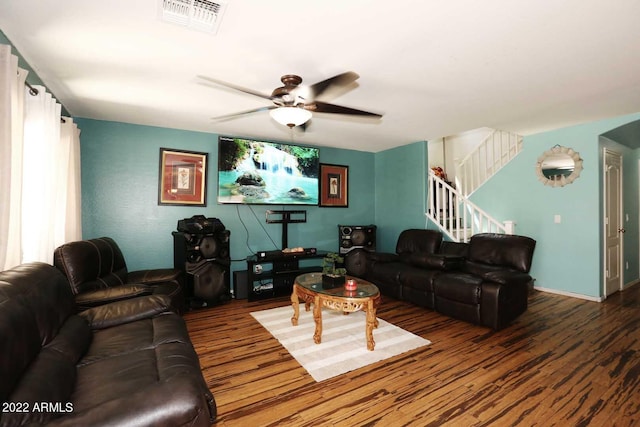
[(485, 281), (129, 363)]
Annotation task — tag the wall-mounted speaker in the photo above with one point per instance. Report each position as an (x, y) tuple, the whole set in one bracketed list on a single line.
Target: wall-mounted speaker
[(357, 237), (203, 254)]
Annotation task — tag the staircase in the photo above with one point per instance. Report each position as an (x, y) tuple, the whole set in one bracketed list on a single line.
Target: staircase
[(495, 151), (450, 208)]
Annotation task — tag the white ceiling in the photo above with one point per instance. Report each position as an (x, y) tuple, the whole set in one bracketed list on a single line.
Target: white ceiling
[(433, 68)]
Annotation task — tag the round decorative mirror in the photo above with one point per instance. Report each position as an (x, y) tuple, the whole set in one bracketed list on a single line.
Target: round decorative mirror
[(559, 166)]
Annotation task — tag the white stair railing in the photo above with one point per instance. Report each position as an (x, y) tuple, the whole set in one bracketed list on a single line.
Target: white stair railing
[(458, 217), (495, 151)]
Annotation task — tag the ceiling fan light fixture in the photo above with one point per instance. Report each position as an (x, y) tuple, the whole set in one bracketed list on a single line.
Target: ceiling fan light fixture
[(290, 116)]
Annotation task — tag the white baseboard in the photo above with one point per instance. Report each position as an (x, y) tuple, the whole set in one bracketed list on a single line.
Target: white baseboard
[(569, 294), (581, 296)]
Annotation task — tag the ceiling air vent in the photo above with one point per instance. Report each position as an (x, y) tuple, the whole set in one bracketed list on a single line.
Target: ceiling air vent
[(200, 15)]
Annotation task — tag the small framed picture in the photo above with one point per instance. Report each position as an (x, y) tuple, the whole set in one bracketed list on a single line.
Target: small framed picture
[(334, 185), (183, 177)]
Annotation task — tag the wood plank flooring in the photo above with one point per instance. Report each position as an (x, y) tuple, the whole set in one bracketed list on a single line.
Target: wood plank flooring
[(565, 362)]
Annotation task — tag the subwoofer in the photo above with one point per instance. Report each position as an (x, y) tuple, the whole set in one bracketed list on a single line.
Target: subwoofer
[(210, 283), (357, 237)]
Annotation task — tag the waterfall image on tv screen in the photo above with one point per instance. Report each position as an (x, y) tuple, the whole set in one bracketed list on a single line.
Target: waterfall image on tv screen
[(258, 172)]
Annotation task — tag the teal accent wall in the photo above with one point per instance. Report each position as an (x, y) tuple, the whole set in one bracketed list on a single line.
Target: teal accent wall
[(120, 196), (400, 192), (568, 256), (120, 184)]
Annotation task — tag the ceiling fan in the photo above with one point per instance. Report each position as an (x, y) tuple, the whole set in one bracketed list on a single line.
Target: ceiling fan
[(293, 103)]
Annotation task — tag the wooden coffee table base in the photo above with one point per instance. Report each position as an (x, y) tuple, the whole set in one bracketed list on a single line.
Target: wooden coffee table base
[(338, 303)]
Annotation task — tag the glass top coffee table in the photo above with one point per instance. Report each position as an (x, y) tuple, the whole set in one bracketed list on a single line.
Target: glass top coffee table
[(308, 289)]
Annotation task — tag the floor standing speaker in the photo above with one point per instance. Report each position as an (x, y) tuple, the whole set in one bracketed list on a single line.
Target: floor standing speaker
[(357, 237), (203, 254)]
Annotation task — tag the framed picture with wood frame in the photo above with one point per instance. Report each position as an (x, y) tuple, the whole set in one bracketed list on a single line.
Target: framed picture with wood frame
[(334, 186), (183, 178)]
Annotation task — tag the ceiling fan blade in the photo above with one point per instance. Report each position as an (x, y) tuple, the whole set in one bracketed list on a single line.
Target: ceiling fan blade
[(236, 87), (323, 107), (340, 81), (242, 113)]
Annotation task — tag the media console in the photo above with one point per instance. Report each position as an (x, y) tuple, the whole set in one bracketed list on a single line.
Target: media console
[(271, 274)]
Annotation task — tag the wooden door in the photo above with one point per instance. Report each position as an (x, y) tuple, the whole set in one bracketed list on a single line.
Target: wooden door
[(613, 224)]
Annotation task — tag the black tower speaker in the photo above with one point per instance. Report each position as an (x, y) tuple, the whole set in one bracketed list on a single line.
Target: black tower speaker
[(201, 250), (357, 237)]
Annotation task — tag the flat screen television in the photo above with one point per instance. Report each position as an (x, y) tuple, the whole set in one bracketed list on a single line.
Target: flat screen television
[(268, 173)]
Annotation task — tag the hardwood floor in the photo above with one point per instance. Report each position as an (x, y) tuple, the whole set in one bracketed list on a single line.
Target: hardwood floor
[(565, 362)]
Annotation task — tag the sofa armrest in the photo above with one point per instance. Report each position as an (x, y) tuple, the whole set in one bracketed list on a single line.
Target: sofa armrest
[(501, 304), (359, 262), (126, 311), (507, 277), (102, 296), (159, 275)]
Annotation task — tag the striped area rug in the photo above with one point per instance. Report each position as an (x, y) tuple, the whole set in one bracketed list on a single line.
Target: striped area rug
[(343, 347)]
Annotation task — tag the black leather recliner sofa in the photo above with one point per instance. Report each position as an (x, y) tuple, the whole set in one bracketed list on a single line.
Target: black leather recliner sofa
[(485, 281), (98, 274), (130, 362)]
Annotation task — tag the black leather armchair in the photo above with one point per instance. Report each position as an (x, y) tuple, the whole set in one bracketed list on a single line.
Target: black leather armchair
[(97, 273)]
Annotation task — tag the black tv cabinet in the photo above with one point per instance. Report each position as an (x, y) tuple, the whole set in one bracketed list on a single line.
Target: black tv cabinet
[(278, 272)]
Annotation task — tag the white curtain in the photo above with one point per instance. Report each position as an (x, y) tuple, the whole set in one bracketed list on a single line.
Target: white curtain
[(70, 174), (40, 187), (12, 81)]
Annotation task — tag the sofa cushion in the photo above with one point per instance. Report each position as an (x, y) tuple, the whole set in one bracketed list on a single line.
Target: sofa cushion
[(509, 251), (418, 240), (161, 385), (136, 336), (418, 278), (139, 365), (51, 376)]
